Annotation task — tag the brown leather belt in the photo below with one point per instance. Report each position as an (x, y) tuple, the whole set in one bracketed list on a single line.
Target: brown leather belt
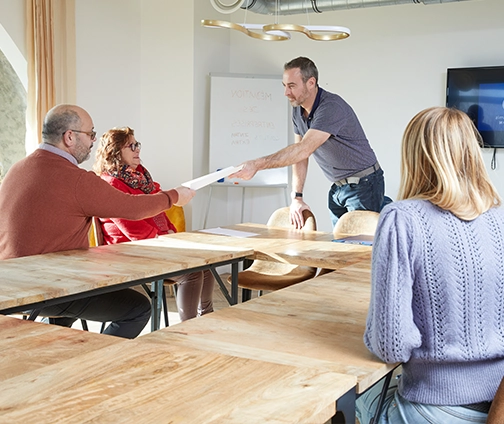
[(354, 179)]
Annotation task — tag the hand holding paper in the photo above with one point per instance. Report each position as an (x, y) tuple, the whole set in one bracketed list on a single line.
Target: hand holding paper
[(185, 195), (205, 180), (246, 170)]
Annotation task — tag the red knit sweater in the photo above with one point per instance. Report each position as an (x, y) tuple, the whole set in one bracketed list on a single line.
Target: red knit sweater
[(46, 205)]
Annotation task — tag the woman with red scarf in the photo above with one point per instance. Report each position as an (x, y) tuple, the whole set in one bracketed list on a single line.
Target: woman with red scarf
[(118, 163)]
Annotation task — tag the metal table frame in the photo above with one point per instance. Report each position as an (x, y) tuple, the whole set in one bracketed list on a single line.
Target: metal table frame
[(156, 291)]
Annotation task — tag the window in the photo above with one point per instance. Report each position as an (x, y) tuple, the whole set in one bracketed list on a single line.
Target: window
[(12, 116)]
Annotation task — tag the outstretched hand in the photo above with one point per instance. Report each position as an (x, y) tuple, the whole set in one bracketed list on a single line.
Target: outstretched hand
[(185, 195), (296, 212), (247, 171)]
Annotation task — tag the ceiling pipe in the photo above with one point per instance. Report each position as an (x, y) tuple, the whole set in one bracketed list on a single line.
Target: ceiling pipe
[(292, 7)]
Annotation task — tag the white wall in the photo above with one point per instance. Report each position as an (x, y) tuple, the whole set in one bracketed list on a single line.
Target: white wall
[(12, 37), (12, 18), (108, 47), (392, 66), (149, 71), (145, 64), (167, 67)]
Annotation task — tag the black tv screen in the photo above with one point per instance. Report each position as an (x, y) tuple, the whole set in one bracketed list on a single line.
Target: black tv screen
[(479, 92)]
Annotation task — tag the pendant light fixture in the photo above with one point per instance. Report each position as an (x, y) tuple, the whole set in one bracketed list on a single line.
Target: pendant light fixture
[(275, 31)]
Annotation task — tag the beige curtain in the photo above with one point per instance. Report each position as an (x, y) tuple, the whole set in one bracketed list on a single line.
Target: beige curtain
[(51, 59)]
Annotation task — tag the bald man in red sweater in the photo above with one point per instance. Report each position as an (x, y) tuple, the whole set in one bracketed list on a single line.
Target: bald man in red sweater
[(47, 202)]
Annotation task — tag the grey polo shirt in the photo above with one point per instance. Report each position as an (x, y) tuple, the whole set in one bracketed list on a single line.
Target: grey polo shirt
[(347, 151)]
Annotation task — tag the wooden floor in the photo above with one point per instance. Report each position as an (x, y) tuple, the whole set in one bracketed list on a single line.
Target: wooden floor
[(219, 302)]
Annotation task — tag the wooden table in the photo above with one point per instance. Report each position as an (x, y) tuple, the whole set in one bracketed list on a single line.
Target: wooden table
[(284, 357), (26, 346), (309, 248), (33, 282), (319, 322), (142, 381)]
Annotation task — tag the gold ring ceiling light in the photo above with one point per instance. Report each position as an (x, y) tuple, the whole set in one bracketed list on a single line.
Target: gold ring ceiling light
[(276, 31), (281, 32)]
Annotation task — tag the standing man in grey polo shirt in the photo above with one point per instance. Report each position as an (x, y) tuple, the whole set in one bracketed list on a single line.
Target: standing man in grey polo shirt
[(327, 127)]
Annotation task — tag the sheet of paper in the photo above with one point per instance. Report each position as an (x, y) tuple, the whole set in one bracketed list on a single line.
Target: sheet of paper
[(228, 232), (205, 180), (364, 239)]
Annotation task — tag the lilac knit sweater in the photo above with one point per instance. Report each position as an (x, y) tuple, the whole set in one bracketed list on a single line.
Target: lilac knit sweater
[(437, 302)]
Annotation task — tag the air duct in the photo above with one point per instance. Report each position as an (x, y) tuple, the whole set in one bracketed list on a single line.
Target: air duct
[(292, 7)]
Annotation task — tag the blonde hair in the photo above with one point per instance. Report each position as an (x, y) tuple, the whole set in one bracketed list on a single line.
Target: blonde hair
[(442, 162), (108, 154)]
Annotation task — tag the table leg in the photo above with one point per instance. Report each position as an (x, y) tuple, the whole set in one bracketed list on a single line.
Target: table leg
[(234, 282), (345, 408), (233, 297), (222, 286), (156, 296), (243, 204), (383, 395), (207, 207)]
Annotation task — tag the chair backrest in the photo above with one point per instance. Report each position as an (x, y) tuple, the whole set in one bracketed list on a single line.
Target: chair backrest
[(96, 233), (177, 217), (281, 218), (357, 222)]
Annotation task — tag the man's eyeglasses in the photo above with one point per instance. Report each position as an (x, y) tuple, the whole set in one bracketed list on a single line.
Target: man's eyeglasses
[(135, 146), (91, 134)]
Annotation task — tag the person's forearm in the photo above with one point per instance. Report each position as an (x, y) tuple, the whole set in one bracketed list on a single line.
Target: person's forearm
[(287, 156), (299, 171)]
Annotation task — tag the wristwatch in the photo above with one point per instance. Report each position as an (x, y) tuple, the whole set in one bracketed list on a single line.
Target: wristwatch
[(296, 194)]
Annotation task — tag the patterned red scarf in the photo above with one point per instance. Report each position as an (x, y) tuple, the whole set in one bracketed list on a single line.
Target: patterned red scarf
[(138, 178)]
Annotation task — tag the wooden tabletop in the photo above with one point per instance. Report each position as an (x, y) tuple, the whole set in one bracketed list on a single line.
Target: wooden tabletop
[(27, 345), (139, 381), (284, 357), (309, 248), (319, 322), (32, 279)]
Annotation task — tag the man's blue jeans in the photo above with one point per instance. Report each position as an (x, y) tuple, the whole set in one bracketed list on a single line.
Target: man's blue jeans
[(367, 195)]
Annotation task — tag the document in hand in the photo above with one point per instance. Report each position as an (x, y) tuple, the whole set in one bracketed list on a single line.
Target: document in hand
[(364, 239), (205, 180)]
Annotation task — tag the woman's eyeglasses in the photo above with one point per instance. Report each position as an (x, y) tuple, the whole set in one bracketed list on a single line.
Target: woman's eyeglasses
[(135, 146)]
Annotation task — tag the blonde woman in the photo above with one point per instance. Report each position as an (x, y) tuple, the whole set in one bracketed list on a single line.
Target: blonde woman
[(437, 302)]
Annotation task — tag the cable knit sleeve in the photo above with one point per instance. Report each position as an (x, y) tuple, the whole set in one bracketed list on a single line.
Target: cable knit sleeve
[(391, 333)]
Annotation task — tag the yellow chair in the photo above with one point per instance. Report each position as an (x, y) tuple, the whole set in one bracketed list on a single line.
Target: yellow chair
[(268, 275), (177, 217), (95, 233), (354, 223)]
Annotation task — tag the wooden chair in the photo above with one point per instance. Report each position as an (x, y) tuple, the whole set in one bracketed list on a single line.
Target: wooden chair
[(354, 223), (267, 275)]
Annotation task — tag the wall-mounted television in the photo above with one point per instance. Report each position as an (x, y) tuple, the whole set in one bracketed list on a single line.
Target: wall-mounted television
[(479, 92)]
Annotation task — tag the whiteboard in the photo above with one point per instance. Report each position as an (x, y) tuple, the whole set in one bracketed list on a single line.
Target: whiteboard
[(249, 118)]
